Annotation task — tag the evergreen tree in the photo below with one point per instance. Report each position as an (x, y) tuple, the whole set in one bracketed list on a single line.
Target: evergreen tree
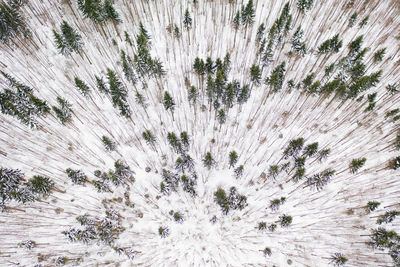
[(363, 22), (372, 205), (12, 23), (260, 32), (333, 44), (64, 111), (163, 232), (236, 21), (267, 252), (208, 160), (305, 5), (193, 94), (285, 220), (177, 32), (127, 68), (392, 88), (248, 14), (174, 142), (356, 164), (294, 147), (388, 217), (298, 46), (244, 94), (338, 259), (109, 144), (238, 171), (69, 40), (11, 187), (168, 102), (140, 99), (273, 171), (378, 56), (311, 149), (275, 80), (209, 65), (255, 74), (110, 12), (199, 66), (187, 21), (101, 85), (118, 93), (233, 158), (149, 137), (221, 116), (76, 176), (40, 185), (81, 86), (353, 19)]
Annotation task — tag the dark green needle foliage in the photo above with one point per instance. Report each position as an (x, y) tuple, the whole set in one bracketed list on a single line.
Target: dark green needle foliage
[(231, 201), (356, 164), (372, 205), (285, 220), (77, 176), (305, 5), (238, 171), (109, 144), (12, 24), (82, 87), (298, 45), (267, 252), (168, 102), (363, 22), (163, 231), (187, 21), (12, 187), (193, 94), (233, 158), (208, 160), (388, 217), (69, 40), (311, 149), (255, 74), (40, 185), (236, 21), (330, 45), (18, 100), (98, 11), (275, 80), (338, 259), (248, 14), (378, 56), (117, 91), (63, 111), (221, 116), (149, 137), (293, 148), (110, 12), (353, 19)]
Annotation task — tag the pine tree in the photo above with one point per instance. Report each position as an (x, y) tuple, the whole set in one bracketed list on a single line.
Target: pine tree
[(353, 19), (101, 86), (81, 86), (311, 149), (185, 139), (285, 220), (149, 137), (177, 32), (199, 66), (92, 9), (233, 158), (163, 232), (127, 68), (273, 171), (208, 160), (193, 94), (378, 56), (305, 5), (372, 205), (255, 74), (238, 171), (298, 46), (333, 44), (109, 144), (110, 12), (187, 21), (363, 22), (248, 14), (356, 164), (338, 259), (69, 40), (12, 23), (76, 176), (40, 185), (64, 111), (174, 142), (267, 252), (209, 65), (221, 116), (168, 102), (260, 32), (275, 80), (118, 93), (236, 21)]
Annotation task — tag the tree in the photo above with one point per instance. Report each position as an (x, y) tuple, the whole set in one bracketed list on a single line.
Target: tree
[(178, 217), (248, 14), (233, 158), (285, 220), (273, 171), (12, 23), (319, 180), (149, 137), (110, 12), (260, 32), (193, 94), (174, 142), (363, 22), (267, 252), (208, 160), (395, 164), (372, 205), (64, 111), (275, 80), (276, 203), (221, 116), (163, 231), (177, 32), (82, 87), (305, 5), (40, 185), (338, 259), (388, 217), (109, 144), (255, 74), (11, 187), (293, 148), (118, 93), (333, 44), (169, 103), (233, 201), (187, 21), (298, 46), (356, 164), (127, 68), (69, 40), (199, 66), (238, 171), (353, 19), (236, 21), (185, 139), (378, 56), (76, 176), (311, 149)]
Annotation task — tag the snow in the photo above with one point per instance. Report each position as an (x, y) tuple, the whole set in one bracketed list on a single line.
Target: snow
[(324, 222)]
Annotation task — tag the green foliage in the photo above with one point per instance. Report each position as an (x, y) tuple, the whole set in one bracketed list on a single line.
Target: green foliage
[(363, 22), (12, 24), (356, 164), (233, 158), (178, 217), (109, 144), (177, 32), (81, 86), (40, 185), (221, 116), (163, 231), (149, 137), (168, 102), (392, 89), (338, 259), (267, 252), (193, 94), (293, 148), (305, 5), (285, 220), (98, 11), (276, 203), (76, 176), (208, 160), (233, 201), (121, 174), (298, 46), (378, 56), (64, 111), (388, 217), (127, 68), (255, 73), (69, 40), (11, 187), (118, 93), (262, 226), (353, 19), (248, 14), (236, 21), (372, 205), (18, 100), (110, 12), (319, 180), (239, 171), (275, 80), (333, 44), (187, 21)]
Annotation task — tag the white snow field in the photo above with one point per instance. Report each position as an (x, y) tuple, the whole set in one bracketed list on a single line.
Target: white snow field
[(324, 222)]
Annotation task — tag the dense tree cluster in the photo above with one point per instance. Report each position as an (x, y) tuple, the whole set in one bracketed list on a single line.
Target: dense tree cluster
[(121, 175), (19, 101), (231, 201), (99, 11), (69, 40), (12, 24)]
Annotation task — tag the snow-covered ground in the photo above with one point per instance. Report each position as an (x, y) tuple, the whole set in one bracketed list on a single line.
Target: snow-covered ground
[(324, 222)]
